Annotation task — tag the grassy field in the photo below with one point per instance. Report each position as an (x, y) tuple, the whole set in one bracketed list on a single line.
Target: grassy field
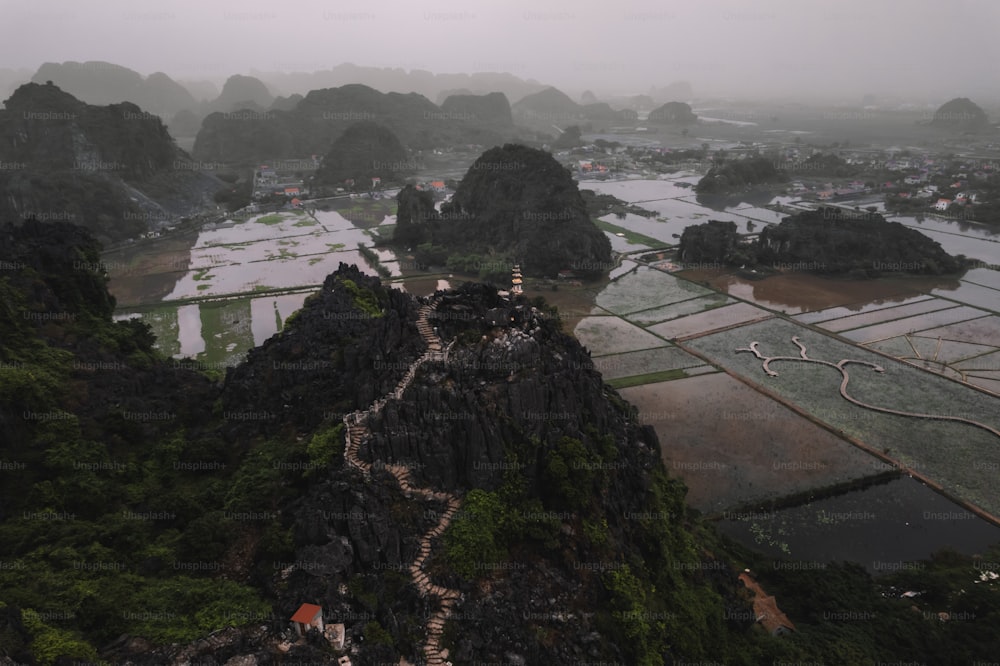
[(632, 237), (648, 378), (645, 289)]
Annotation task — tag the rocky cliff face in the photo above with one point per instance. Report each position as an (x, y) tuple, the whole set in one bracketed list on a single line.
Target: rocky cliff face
[(330, 359), (113, 169), (520, 202), (492, 109)]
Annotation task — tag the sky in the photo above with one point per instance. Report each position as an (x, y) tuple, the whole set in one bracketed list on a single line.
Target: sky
[(723, 47)]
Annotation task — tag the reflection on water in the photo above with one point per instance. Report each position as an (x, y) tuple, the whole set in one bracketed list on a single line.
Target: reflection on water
[(189, 330), (218, 332), (794, 293), (879, 527)]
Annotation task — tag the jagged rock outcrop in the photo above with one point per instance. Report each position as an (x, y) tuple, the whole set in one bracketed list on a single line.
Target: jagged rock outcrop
[(333, 359), (492, 109), (602, 112), (827, 241), (520, 202), (546, 108), (366, 150), (114, 169), (673, 113), (242, 92)]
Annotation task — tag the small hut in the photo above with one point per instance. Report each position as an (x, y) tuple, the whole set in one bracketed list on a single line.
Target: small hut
[(308, 616)]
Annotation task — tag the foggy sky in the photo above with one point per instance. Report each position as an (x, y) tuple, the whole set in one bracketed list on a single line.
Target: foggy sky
[(941, 48)]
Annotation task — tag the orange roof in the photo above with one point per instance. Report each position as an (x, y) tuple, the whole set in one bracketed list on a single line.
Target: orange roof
[(765, 607), (437, 183), (306, 613)]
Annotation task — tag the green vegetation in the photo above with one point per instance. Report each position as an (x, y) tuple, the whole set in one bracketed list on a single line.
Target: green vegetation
[(365, 150), (648, 378), (826, 241), (739, 175), (514, 201), (633, 237), (712, 242), (477, 537), (326, 445), (49, 643), (372, 258), (272, 219), (599, 205), (106, 504), (364, 299)]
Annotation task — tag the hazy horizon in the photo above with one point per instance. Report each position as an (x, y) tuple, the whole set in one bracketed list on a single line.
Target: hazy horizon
[(925, 48)]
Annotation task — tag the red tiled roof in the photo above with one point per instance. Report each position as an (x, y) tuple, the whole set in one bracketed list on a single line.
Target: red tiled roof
[(306, 613)]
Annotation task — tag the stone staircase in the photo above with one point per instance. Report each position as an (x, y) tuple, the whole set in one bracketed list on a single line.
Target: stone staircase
[(357, 432)]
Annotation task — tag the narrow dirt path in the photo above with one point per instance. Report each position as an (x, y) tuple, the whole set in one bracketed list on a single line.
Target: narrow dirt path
[(357, 431)]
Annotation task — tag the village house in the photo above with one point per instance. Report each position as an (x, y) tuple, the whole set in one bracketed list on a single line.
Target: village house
[(942, 204), (308, 616)]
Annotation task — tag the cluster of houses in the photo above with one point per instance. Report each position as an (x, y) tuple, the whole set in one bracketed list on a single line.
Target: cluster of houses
[(436, 186), (272, 181), (919, 182)]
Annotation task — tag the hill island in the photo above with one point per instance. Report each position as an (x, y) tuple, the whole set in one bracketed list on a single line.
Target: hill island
[(515, 205), (828, 241)]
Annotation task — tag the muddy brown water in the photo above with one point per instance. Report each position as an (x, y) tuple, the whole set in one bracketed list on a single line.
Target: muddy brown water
[(147, 271), (793, 293), (732, 445)]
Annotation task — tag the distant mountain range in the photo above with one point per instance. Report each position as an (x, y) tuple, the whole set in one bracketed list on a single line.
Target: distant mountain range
[(311, 126), (551, 111), (96, 82), (430, 85)]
